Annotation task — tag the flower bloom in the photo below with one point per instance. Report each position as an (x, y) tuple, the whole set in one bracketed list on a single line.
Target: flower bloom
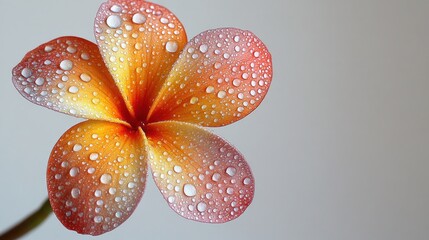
[(147, 93)]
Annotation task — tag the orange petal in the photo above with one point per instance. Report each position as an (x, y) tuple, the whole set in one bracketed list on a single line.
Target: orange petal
[(68, 75), (140, 41), (201, 176), (96, 176), (221, 76)]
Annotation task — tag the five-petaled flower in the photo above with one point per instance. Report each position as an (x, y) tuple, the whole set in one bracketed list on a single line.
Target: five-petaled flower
[(147, 93)]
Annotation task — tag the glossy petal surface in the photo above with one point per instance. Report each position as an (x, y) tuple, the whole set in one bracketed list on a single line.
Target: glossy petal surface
[(201, 176), (221, 76), (96, 176), (140, 41), (68, 75)]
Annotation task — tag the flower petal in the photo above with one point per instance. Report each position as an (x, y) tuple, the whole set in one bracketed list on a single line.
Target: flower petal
[(68, 75), (201, 176), (140, 41), (221, 76), (96, 176)]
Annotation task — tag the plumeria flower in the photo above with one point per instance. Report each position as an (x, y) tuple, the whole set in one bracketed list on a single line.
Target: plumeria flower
[(147, 93)]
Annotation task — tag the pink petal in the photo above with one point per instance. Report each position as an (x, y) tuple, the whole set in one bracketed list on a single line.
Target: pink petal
[(68, 75), (201, 176), (221, 76)]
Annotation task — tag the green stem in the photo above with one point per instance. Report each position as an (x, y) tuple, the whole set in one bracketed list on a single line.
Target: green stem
[(28, 224)]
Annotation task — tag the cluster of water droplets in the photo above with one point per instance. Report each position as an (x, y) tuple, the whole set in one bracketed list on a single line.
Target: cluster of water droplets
[(221, 76), (60, 75), (139, 43), (202, 183), (94, 179)]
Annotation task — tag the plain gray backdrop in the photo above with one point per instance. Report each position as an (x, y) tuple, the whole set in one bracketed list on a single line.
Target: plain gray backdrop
[(339, 148)]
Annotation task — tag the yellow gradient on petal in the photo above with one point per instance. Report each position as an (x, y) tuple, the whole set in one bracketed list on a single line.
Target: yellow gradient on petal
[(96, 175)]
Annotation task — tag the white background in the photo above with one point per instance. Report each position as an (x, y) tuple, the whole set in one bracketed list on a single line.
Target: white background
[(339, 148)]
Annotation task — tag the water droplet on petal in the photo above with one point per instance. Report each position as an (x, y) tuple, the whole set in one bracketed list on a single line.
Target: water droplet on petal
[(193, 100), (231, 171), (171, 46), (177, 169), (204, 48), (236, 82), (201, 206), (221, 94), (114, 21), (246, 181), (115, 8), (26, 72), (39, 81), (216, 177), (73, 89), (139, 18), (97, 193), (66, 65), (48, 49), (106, 178), (75, 192), (85, 77), (93, 156), (189, 190), (209, 89), (74, 171), (98, 219)]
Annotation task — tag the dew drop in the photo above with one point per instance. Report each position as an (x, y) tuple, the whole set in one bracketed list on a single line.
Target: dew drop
[(91, 170), (118, 214), (189, 190), (236, 39), (73, 89), (201, 206), (231, 171), (74, 171), (216, 177), (26, 72), (177, 169), (97, 193), (93, 156), (236, 82), (106, 178), (256, 54), (75, 192), (85, 77), (39, 81), (193, 100), (114, 21), (230, 190), (210, 89), (98, 219), (204, 48), (131, 185), (221, 94), (48, 49), (115, 8), (84, 56), (171, 199), (66, 65), (246, 181), (112, 191), (71, 49), (240, 96), (171, 46), (139, 18)]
